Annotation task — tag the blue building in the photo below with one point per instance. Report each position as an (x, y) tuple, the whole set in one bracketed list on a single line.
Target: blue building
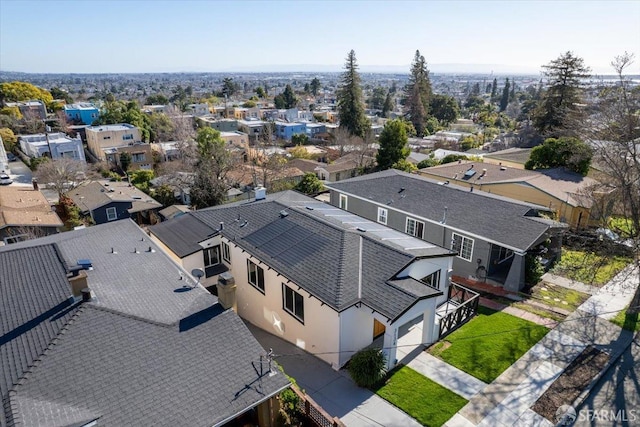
[(287, 130), (83, 112)]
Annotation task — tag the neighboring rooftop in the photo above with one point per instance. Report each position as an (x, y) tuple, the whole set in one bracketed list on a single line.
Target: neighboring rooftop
[(313, 244), (491, 217), (80, 106), (150, 348), (41, 138), (110, 128), (24, 206), (92, 195), (514, 155)]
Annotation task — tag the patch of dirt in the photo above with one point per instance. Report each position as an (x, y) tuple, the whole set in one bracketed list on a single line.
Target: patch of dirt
[(437, 348), (571, 382)]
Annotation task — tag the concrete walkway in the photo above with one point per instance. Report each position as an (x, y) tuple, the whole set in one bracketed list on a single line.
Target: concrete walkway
[(448, 376), (333, 390), (508, 399), (570, 284), (517, 312)]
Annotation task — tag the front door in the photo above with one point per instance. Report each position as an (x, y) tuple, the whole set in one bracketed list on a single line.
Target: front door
[(378, 329)]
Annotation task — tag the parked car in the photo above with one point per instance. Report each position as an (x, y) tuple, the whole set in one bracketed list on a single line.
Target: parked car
[(11, 157), (5, 179)]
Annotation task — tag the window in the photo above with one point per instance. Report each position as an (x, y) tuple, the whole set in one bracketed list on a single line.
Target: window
[(112, 214), (211, 256), (127, 137), (463, 246), (503, 254), (382, 216), (343, 202), (226, 253), (415, 227), (106, 137), (432, 280), (256, 275), (293, 303), (137, 157)]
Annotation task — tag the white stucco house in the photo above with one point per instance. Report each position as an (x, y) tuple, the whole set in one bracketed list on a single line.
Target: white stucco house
[(322, 278)]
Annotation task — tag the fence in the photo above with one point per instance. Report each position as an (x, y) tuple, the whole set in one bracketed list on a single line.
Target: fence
[(466, 302), (317, 416)]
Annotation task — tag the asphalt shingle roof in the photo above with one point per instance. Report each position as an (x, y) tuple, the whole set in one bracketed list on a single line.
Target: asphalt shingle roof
[(307, 242), (477, 213), (149, 349)]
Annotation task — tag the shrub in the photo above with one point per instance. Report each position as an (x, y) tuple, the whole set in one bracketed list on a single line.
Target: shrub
[(367, 367)]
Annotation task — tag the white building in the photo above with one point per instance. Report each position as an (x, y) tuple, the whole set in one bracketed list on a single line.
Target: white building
[(55, 145)]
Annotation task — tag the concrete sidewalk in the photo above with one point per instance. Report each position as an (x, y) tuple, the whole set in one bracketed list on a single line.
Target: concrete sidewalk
[(614, 296), (331, 389), (570, 284)]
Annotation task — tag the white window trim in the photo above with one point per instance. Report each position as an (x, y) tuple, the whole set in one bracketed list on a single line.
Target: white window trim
[(214, 249), (284, 303), (463, 238), (437, 277), (256, 285), (384, 217), (226, 252), (346, 202), (406, 227), (114, 213)]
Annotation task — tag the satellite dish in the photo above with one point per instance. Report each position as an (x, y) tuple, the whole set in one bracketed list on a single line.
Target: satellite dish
[(198, 274), (277, 323)]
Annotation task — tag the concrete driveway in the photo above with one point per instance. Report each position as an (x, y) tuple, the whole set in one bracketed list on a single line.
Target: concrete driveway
[(333, 390), (20, 173)]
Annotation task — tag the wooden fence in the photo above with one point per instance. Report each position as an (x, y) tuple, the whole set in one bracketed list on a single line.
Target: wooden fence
[(317, 416)]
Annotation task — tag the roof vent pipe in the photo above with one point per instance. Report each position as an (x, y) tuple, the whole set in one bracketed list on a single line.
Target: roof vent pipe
[(221, 226), (86, 294)]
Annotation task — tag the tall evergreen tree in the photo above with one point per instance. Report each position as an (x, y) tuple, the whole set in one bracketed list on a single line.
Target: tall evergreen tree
[(512, 94), (350, 103), (504, 101), (494, 90), (388, 105), (418, 94), (315, 86), (558, 113), (393, 144)]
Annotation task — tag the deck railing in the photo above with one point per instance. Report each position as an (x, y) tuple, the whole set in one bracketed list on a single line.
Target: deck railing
[(466, 302)]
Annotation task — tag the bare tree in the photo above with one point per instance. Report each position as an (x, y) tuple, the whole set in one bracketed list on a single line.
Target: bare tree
[(61, 175), (615, 135)]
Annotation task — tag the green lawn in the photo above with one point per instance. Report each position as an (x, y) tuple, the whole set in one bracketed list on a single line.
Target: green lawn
[(589, 268), (567, 299), (489, 343), (627, 321), (426, 401)]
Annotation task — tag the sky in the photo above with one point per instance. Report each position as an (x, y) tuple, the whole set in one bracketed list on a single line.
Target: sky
[(122, 36)]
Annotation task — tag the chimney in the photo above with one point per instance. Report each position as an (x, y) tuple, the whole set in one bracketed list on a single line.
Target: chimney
[(35, 184), (226, 287), (261, 193), (78, 281), (86, 294)]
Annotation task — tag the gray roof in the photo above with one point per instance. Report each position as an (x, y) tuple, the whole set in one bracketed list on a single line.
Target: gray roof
[(314, 245), (148, 349), (476, 213), (183, 239), (95, 194)]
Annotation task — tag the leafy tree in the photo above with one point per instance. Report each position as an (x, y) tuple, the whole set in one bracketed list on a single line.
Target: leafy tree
[(213, 163), (229, 87), (310, 184), (249, 104), (61, 175), (300, 139), (558, 112), (260, 92), (164, 194), (444, 108), (287, 99), (504, 101), (393, 144), (58, 93), (161, 128), (367, 367), (127, 112), (9, 139), (377, 99), (299, 152), (13, 112), (307, 88), (450, 158), (141, 178), (315, 86), (125, 161), (157, 99), (350, 106), (388, 106), (418, 94), (23, 91), (427, 163), (566, 152)]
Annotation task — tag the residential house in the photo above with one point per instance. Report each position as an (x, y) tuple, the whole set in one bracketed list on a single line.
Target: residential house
[(286, 130), (222, 125), (326, 280), (560, 190), (106, 201), (345, 167), (81, 113), (101, 328), (166, 151), (198, 109), (108, 142), (150, 109), (34, 109), (235, 139), (315, 130), (511, 157), (491, 234), (53, 145), (25, 214), (253, 128), (173, 211)]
